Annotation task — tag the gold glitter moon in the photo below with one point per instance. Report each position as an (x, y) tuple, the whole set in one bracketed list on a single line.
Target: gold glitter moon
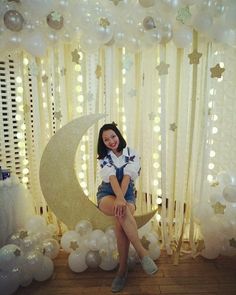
[(59, 182)]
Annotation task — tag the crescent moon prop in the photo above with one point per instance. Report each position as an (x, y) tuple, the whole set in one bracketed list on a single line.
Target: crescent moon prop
[(59, 182)]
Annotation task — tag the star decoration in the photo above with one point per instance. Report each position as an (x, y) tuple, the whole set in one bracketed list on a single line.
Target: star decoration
[(183, 14), (115, 254), (75, 56), (145, 242), (58, 115), (127, 63), (56, 16), (151, 116), (132, 92), (173, 127), (26, 108), (162, 68), (44, 78), (63, 71), (33, 68), (17, 252), (74, 245), (98, 71), (194, 57), (104, 22), (116, 2), (232, 243), (215, 183), (216, 71), (218, 208), (23, 234)]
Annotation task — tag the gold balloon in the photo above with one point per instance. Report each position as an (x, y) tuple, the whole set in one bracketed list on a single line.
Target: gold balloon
[(55, 20), (13, 20), (148, 23)]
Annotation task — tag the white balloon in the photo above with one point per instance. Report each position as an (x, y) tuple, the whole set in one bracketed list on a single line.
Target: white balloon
[(40, 8), (8, 282), (77, 261), (223, 178), (69, 237), (35, 44), (202, 22), (51, 248), (45, 271), (182, 36), (89, 44)]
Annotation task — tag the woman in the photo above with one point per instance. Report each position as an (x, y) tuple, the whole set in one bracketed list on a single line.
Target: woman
[(116, 197)]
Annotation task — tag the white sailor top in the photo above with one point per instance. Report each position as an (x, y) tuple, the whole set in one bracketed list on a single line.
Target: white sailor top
[(129, 160)]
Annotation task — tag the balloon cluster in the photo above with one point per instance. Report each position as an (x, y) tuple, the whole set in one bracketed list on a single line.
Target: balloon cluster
[(34, 25), (94, 248), (217, 217), (28, 255)]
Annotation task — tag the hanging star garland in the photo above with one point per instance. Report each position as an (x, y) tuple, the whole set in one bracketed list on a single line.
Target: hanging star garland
[(173, 127), (44, 78), (17, 252), (145, 242), (104, 22), (74, 245), (58, 115), (232, 243), (218, 208), (194, 57), (98, 71), (183, 14), (162, 68), (75, 56), (216, 71)]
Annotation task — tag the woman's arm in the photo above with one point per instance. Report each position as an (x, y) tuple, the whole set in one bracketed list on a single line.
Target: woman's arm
[(125, 184), (120, 203)]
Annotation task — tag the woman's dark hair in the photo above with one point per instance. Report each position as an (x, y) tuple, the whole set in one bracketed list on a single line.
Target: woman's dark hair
[(101, 148)]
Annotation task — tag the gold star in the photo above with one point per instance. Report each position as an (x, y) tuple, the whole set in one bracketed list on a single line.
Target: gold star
[(17, 252), (173, 127), (58, 115), (74, 245), (26, 108), (194, 57), (98, 71), (216, 71), (75, 56), (218, 208), (23, 234), (162, 68), (215, 183), (104, 22), (44, 78), (115, 254), (232, 243), (183, 14), (145, 242)]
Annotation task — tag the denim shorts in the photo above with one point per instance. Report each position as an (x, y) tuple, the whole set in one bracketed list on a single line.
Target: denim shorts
[(105, 189)]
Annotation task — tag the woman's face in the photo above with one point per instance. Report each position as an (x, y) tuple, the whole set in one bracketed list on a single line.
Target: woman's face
[(110, 139)]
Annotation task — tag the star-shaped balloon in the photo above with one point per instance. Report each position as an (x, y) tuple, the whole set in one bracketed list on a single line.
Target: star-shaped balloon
[(232, 243), (74, 245), (218, 208), (44, 78), (216, 71), (145, 242), (104, 22), (127, 63), (194, 57), (58, 115), (17, 252), (75, 56), (56, 16), (98, 71), (173, 127), (162, 68), (23, 234), (183, 14)]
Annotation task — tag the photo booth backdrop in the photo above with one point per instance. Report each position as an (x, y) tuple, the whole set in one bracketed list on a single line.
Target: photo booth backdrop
[(176, 108)]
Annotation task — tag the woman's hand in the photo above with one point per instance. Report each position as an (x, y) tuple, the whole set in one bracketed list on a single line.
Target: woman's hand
[(119, 207)]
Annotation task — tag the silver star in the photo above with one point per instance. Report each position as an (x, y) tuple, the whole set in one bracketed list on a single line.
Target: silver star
[(151, 116), (127, 63), (33, 68), (162, 68), (58, 115), (56, 16)]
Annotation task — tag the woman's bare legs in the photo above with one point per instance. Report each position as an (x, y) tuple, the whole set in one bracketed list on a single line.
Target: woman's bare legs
[(126, 231)]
